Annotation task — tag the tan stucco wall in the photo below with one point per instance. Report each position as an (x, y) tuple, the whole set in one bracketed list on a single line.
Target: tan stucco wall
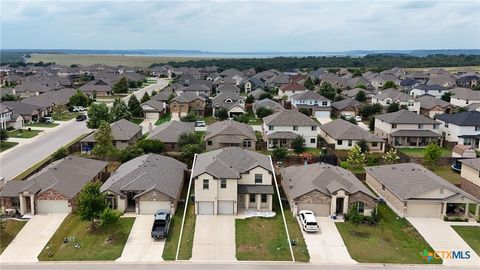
[(470, 174), (393, 201)]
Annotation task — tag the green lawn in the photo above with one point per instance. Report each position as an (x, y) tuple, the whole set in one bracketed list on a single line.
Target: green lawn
[(208, 119), (6, 145), (300, 249), (163, 119), (12, 227), (45, 125), (23, 133), (93, 245), (64, 116), (446, 173), (252, 120), (418, 152), (471, 235), (170, 249), (394, 240), (137, 121)]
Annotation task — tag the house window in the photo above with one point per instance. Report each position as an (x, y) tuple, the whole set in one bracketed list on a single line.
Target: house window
[(312, 140), (264, 198), (324, 103), (314, 128), (349, 142), (15, 202), (360, 207), (388, 101), (467, 141), (112, 202), (420, 126), (252, 198), (258, 178), (339, 142), (223, 183), (446, 124), (383, 187), (410, 104), (247, 143), (270, 127), (374, 144), (295, 127), (209, 142), (466, 101), (205, 183), (394, 125), (477, 128), (441, 190)]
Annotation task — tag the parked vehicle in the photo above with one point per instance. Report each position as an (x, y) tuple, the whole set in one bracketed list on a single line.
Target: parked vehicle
[(308, 220), (161, 224), (81, 117), (46, 120), (78, 109), (200, 124), (358, 118)]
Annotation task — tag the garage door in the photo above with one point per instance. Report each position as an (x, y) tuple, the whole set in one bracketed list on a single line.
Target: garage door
[(151, 115), (428, 210), (151, 207), (225, 207), (320, 209), (205, 208), (322, 114), (52, 206)]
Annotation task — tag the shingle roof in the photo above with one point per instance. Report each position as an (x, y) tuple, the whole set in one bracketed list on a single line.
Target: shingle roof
[(220, 100), (340, 129), (349, 102), (227, 88), (470, 118), (122, 130), (59, 97), (309, 95), (429, 102), (229, 162), (394, 94), (414, 133), (230, 128), (429, 87), (169, 132), (302, 179), (21, 108), (148, 172), (267, 103), (157, 105), (289, 118), (465, 93), (282, 135), (472, 162), (257, 93), (405, 117), (188, 97), (411, 180), (293, 87), (66, 176)]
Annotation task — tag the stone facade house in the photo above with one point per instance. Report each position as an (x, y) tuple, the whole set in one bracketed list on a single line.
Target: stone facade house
[(187, 103), (230, 133), (124, 133)]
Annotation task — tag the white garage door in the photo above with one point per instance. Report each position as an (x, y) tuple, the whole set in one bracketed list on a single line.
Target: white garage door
[(52, 206), (320, 209), (322, 114), (151, 115), (151, 207), (225, 207), (427, 210), (205, 208)]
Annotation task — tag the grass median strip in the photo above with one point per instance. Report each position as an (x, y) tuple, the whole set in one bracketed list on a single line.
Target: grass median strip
[(11, 229), (471, 235), (6, 145), (23, 133), (186, 246)]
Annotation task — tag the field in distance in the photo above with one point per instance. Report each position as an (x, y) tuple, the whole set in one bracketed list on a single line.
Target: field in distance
[(111, 60)]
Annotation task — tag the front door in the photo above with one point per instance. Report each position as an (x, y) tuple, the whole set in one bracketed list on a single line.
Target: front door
[(130, 202), (339, 207)]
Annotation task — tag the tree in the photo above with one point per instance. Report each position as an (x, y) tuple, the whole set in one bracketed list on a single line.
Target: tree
[(363, 144), (145, 98), (109, 219), (3, 135), (356, 157), (309, 84), (170, 97), (62, 152), (389, 84), (371, 123), (250, 99), (79, 99), (298, 144), (189, 151), (134, 106), (368, 110), (327, 90), (130, 152), (306, 111), (280, 153), (97, 113), (121, 87), (221, 114), (391, 157), (103, 141), (394, 107), (187, 138), (242, 118), (151, 146), (462, 109), (356, 73), (265, 95), (120, 110), (361, 96), (354, 217), (263, 112), (432, 154), (91, 202), (360, 85), (9, 97), (191, 117)]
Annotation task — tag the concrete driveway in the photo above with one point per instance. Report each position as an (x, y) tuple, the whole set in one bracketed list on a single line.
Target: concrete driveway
[(326, 246), (442, 237), (140, 247), (31, 240), (146, 125), (214, 239)]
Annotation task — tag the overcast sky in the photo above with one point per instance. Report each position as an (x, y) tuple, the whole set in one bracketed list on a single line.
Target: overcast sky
[(241, 26)]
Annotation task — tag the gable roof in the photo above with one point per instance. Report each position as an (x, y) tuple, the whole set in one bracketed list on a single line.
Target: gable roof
[(188, 97), (405, 117), (302, 179), (229, 162), (293, 86), (59, 97), (309, 95), (465, 93), (21, 107), (230, 128), (155, 104), (429, 102), (169, 132), (122, 130), (340, 129), (349, 102), (220, 100), (289, 118), (469, 118), (227, 88), (148, 172), (472, 162), (393, 94), (267, 103)]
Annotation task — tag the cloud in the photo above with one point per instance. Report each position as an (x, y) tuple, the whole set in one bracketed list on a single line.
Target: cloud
[(240, 25)]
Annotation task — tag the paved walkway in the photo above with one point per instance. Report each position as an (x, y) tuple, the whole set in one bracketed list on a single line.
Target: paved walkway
[(31, 240), (442, 237), (326, 246), (214, 239), (140, 246), (146, 125)]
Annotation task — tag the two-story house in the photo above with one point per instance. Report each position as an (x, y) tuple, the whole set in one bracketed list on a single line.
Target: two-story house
[(281, 128), (290, 89), (431, 106), (391, 95), (124, 133), (311, 100), (5, 115), (463, 97), (232, 179), (461, 128), (187, 103), (429, 89), (470, 174), (230, 133), (232, 102), (407, 129)]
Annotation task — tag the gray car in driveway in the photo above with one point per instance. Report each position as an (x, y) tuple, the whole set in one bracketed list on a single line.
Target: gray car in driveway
[(161, 224)]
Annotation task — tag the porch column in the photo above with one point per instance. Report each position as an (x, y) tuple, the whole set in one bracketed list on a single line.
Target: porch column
[(476, 210), (247, 201), (418, 141), (466, 209), (23, 206), (270, 198), (32, 204), (345, 204), (333, 205), (258, 199), (444, 210)]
